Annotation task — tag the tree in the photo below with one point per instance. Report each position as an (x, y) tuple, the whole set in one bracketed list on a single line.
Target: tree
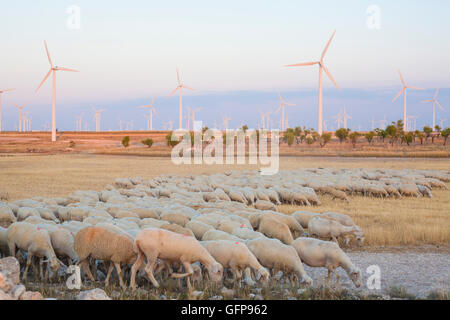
[(297, 134), (419, 135), (392, 133), (309, 140), (289, 136), (342, 134), (382, 134), (126, 141), (148, 142), (408, 138), (169, 141), (445, 133), (427, 130), (369, 136), (354, 137), (244, 128), (324, 139)]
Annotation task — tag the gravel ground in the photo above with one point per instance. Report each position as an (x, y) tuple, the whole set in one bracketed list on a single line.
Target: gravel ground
[(417, 272)]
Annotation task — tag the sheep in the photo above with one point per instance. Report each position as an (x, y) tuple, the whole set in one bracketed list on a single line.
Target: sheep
[(265, 205), (343, 219), (303, 217), (198, 228), (47, 214), (237, 256), (273, 254), (273, 196), (4, 249), (35, 242), (237, 196), (273, 228), (176, 218), (409, 189), (221, 195), (425, 191), (324, 228), (62, 241), (156, 243), (228, 225), (245, 233), (261, 194), (291, 222), (36, 220), (6, 216), (145, 213), (93, 220), (150, 222), (218, 235), (210, 197), (319, 253), (435, 183), (25, 212), (392, 191), (177, 229), (102, 244)]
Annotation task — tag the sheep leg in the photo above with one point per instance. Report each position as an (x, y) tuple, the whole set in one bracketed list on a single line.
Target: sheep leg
[(338, 277), (136, 266), (29, 257), (85, 266), (110, 269), (190, 272), (41, 262), (119, 273), (149, 269)]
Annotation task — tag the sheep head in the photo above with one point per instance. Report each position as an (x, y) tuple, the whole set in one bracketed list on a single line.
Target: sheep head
[(215, 272), (263, 275), (355, 276)]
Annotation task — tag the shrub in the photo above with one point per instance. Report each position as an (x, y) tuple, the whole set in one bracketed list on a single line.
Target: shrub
[(148, 142), (309, 140), (244, 128), (126, 141), (408, 138), (392, 133), (369, 136), (169, 141), (354, 137), (289, 136), (445, 133), (72, 144), (427, 130)]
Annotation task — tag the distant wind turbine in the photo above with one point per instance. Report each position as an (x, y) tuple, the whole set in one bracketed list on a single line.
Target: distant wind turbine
[(435, 102), (1, 92), (281, 107), (441, 122), (338, 118), (97, 117), (180, 87), (52, 71), (20, 108), (345, 117), (404, 97), (383, 123), (150, 116), (263, 119), (192, 113), (225, 120), (321, 67)]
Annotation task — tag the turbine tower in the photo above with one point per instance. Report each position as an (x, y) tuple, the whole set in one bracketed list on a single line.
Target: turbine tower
[(180, 87), (52, 71), (345, 117), (322, 67), (150, 115), (383, 123), (263, 119), (405, 87), (435, 102), (1, 91), (97, 117), (281, 107), (20, 108), (193, 112), (225, 121), (338, 118)]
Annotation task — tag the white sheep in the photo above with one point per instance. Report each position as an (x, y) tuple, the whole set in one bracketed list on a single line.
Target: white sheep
[(265, 205), (326, 254), (218, 235), (152, 244), (7, 216), (235, 255), (198, 228), (25, 212), (303, 217), (62, 241), (324, 228), (246, 234), (273, 254), (273, 228)]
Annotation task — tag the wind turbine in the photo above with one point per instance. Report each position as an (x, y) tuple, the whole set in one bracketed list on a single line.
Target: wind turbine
[(325, 125), (383, 123), (180, 87), (97, 117), (151, 110), (372, 124), (263, 118), (193, 112), (52, 71), (268, 113), (281, 107), (79, 121), (26, 121), (20, 108), (1, 91), (225, 120), (168, 125), (441, 122), (345, 117), (435, 102), (321, 68), (338, 118), (404, 97)]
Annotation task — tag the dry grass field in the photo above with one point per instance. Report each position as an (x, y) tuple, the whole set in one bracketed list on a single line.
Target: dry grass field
[(387, 222)]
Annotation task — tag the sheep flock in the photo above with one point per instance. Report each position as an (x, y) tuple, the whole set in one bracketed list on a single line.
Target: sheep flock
[(202, 227)]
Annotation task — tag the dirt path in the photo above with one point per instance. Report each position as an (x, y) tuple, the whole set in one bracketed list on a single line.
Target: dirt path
[(417, 272)]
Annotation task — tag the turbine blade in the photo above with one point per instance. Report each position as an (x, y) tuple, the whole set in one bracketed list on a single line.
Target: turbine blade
[(7, 90), (415, 88), (153, 100), (424, 101), (45, 79), (302, 64), (401, 78), (289, 104), (279, 108), (173, 92), (48, 54), (435, 95), (330, 76), (442, 108), (326, 47), (67, 69), (178, 77), (187, 87), (398, 94)]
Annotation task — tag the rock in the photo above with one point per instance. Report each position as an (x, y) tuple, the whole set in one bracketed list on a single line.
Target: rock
[(227, 293), (292, 298), (10, 268), (259, 297), (301, 291), (115, 294), (216, 298), (94, 294), (4, 296), (31, 295), (18, 291), (386, 297), (251, 295), (5, 284)]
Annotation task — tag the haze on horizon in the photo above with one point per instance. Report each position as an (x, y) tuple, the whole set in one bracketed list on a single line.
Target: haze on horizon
[(233, 53)]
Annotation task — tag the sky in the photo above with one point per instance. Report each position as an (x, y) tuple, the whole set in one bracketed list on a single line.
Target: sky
[(231, 52)]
